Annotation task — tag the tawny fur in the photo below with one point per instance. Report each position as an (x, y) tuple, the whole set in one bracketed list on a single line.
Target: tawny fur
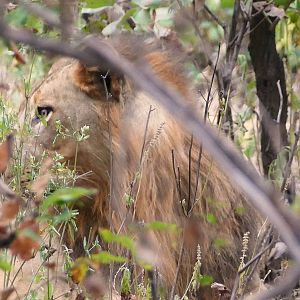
[(117, 131)]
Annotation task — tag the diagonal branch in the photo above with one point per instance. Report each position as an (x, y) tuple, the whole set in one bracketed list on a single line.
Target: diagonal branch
[(260, 194)]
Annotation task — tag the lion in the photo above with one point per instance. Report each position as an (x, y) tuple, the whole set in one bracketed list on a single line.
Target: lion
[(144, 164)]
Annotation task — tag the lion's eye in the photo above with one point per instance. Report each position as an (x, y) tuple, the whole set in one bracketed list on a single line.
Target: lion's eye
[(44, 111)]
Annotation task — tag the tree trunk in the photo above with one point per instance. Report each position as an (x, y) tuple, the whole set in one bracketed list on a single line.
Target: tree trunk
[(271, 87)]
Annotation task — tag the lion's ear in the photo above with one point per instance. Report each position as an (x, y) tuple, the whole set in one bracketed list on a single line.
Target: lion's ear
[(98, 84)]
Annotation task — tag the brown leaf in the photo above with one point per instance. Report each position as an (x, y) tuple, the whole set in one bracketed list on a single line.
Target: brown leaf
[(39, 185), (6, 191), (50, 265), (5, 153), (80, 296), (79, 270), (5, 293), (30, 224), (18, 56), (95, 285), (24, 245), (9, 209), (4, 86), (192, 232), (3, 229)]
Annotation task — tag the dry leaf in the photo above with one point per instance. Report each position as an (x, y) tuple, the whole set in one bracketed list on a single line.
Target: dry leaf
[(80, 296), (221, 288), (18, 56), (50, 265), (95, 285), (5, 293), (269, 9), (277, 251), (273, 11), (9, 209), (192, 232), (6, 191), (260, 5), (11, 6), (39, 185), (5, 153), (3, 229), (24, 245), (6, 240), (4, 86), (79, 270)]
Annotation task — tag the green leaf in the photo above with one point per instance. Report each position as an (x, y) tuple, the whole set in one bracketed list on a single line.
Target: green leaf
[(165, 22), (284, 3), (104, 257), (5, 265), (220, 243), (205, 280), (35, 23), (125, 282), (227, 3), (66, 196), (142, 18), (96, 3), (17, 17), (295, 102), (211, 218), (157, 225), (240, 210), (98, 10), (123, 240), (148, 3), (164, 16), (64, 216), (250, 149)]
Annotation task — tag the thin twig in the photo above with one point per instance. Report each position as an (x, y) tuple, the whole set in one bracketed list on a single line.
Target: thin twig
[(177, 270), (216, 19), (287, 169), (188, 207), (281, 101), (145, 133), (177, 176)]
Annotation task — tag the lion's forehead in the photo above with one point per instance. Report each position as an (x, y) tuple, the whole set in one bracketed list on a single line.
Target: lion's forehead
[(54, 87)]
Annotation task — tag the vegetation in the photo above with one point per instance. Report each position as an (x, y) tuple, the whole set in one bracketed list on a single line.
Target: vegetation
[(253, 96)]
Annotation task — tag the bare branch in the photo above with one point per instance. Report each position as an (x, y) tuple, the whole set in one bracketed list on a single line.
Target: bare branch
[(68, 15)]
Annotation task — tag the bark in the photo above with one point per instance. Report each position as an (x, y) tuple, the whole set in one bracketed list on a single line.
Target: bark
[(68, 15), (269, 72)]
